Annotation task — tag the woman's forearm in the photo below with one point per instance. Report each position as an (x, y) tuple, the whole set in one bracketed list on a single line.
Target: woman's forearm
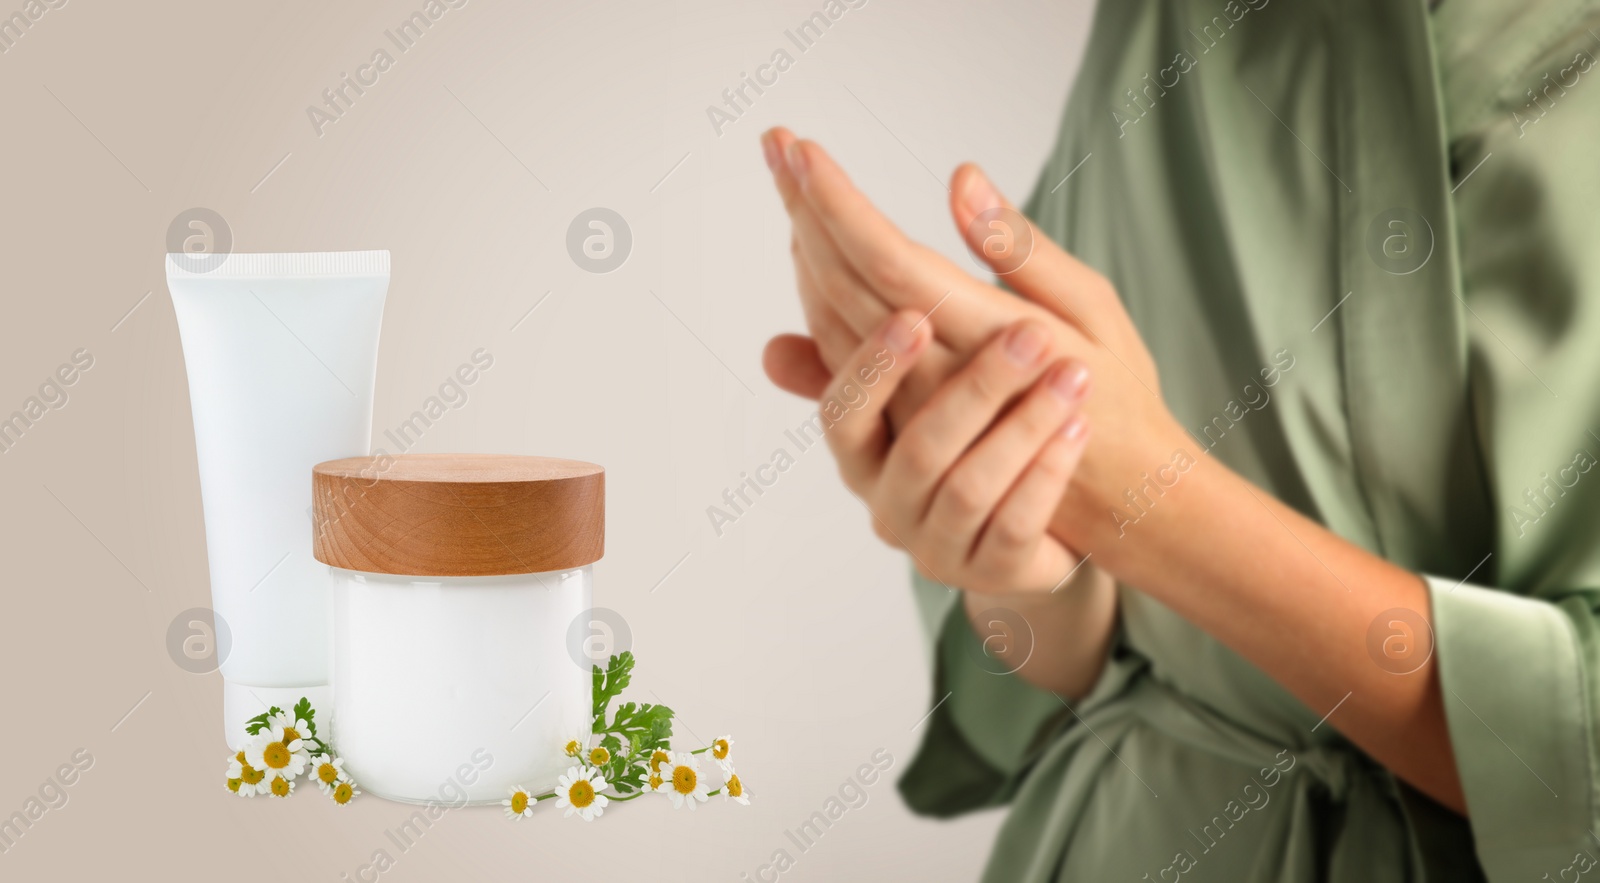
[(1070, 632), (1290, 596)]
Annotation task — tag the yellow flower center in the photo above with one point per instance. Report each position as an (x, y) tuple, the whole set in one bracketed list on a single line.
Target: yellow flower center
[(655, 781), (519, 802), (573, 748), (581, 793), (233, 785), (239, 757), (719, 749), (684, 780), (327, 772), (251, 776), (657, 758), (290, 734), (343, 793), (276, 755), (599, 756), (280, 787), (735, 788)]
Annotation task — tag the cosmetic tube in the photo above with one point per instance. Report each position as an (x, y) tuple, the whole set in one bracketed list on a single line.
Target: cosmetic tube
[(281, 352)]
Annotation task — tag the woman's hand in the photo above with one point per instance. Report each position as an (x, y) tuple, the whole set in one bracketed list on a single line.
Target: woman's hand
[(854, 267), (1074, 620), (969, 484)]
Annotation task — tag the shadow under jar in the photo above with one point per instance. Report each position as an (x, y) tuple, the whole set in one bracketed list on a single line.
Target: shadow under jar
[(457, 579)]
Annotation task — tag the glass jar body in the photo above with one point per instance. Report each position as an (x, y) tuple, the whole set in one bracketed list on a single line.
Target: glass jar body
[(456, 689)]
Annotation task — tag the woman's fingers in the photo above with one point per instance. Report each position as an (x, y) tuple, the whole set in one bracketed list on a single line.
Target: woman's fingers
[(1029, 261), (863, 264), (1016, 541), (972, 489), (838, 284), (835, 339), (893, 268), (956, 415), (834, 342), (794, 366), (774, 148), (851, 407)]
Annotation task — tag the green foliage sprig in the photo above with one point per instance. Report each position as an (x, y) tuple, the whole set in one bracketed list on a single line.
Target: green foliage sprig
[(634, 756), (645, 727)]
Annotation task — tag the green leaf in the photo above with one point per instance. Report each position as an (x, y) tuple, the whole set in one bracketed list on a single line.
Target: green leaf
[(259, 722), (609, 684), (304, 711), (628, 774), (653, 723)]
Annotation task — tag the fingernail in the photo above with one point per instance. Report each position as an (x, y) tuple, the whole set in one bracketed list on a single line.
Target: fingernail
[(1070, 381), (1024, 343), (798, 164), (979, 195), (901, 336), (1075, 429), (769, 150)]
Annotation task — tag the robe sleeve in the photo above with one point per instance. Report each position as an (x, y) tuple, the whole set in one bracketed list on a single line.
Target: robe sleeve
[(984, 728), (1519, 677)]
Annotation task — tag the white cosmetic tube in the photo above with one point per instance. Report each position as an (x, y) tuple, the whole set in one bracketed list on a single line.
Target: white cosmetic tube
[(281, 352)]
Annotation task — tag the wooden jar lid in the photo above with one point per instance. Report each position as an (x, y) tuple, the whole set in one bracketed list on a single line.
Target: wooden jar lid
[(458, 514)]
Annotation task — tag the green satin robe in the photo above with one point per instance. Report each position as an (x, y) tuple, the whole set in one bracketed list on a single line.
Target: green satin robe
[(1404, 204)]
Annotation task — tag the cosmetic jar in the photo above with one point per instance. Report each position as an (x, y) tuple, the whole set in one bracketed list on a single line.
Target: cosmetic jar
[(456, 582)]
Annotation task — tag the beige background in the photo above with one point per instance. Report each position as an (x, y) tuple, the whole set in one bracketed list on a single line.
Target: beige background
[(794, 631)]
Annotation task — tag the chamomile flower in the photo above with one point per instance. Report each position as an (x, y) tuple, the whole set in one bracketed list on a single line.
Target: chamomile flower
[(276, 758), (573, 748), (519, 805), (733, 789), (281, 786), (657, 758), (288, 730), (250, 781), (579, 791), (327, 771), (345, 791), (722, 752), (599, 756), (681, 781)]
